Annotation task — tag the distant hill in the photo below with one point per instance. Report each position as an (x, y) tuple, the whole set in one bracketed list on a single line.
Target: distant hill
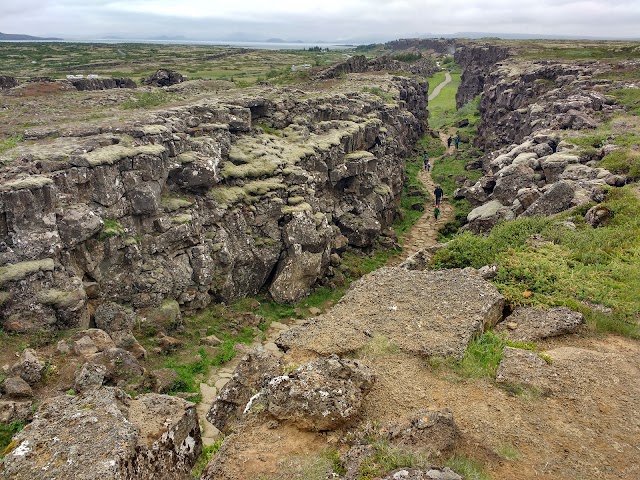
[(17, 36)]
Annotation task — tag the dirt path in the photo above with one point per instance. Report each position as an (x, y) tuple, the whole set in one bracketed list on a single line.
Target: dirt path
[(436, 91), (425, 232)]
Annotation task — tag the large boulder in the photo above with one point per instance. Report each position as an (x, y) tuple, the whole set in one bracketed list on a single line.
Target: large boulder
[(555, 164), (533, 324), (112, 317), (163, 78), (430, 432), (77, 224), (485, 217), (361, 230), (325, 394), (427, 474), (558, 198), (598, 216), (252, 374), (511, 179), (103, 434), (407, 307), (7, 81)]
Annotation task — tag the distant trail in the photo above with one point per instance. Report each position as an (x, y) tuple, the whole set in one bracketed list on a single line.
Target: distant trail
[(436, 91)]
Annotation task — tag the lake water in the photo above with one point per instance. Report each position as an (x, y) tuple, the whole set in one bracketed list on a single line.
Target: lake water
[(222, 43)]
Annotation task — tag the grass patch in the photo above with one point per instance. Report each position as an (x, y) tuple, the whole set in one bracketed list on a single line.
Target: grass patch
[(443, 107), (386, 96), (385, 459), (629, 98), (147, 100), (468, 468), (11, 142), (484, 354), (7, 431), (111, 228), (625, 161), (572, 267), (205, 457)]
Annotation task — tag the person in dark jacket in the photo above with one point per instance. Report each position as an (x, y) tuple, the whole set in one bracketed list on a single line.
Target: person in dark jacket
[(449, 140), (438, 193), (457, 141)]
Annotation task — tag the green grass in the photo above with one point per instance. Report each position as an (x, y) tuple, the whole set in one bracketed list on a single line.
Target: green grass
[(386, 96), (11, 142), (625, 161), (508, 452), (110, 228), (443, 107), (484, 354), (574, 268), (7, 431), (629, 98), (468, 468), (205, 457), (385, 459), (147, 100)]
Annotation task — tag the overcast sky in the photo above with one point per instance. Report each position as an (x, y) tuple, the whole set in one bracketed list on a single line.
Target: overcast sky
[(313, 20)]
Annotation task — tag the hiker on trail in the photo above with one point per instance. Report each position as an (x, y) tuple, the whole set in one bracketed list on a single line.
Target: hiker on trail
[(428, 166), (438, 193), (456, 141), (425, 159), (449, 140), (436, 212)]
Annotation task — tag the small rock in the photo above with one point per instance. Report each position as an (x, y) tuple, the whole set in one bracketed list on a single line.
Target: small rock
[(211, 340), (90, 376), (29, 367), (169, 344), (84, 346), (16, 388), (315, 311), (112, 317), (512, 325), (335, 259), (62, 348)]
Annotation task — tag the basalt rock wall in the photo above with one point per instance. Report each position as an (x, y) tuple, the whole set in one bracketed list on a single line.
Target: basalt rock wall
[(476, 61), (198, 203)]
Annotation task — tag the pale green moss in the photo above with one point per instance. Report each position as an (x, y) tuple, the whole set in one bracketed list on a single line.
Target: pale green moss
[(262, 187), (27, 183), (129, 241), (19, 271), (4, 297), (172, 204), (182, 219), (382, 189), (216, 247), (61, 298), (113, 153), (359, 155), (225, 196), (186, 157), (295, 200), (110, 228), (155, 130), (302, 207), (250, 170)]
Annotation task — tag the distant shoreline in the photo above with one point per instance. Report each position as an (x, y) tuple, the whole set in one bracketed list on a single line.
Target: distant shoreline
[(218, 43)]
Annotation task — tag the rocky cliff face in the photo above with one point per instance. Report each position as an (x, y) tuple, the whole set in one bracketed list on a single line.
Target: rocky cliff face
[(441, 46), (477, 61), (196, 203), (84, 84), (526, 108)]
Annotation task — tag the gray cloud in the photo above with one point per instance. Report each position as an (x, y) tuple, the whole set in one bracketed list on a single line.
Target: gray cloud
[(319, 20)]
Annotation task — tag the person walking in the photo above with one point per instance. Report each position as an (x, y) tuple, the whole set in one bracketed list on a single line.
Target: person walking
[(436, 212), (438, 193), (449, 140), (428, 166), (425, 159), (456, 141)]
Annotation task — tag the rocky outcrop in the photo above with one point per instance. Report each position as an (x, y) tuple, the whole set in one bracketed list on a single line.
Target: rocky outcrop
[(476, 62), (84, 84), (252, 375), (163, 78), (406, 307), (359, 64), (7, 81), (325, 394), (197, 204), (105, 434)]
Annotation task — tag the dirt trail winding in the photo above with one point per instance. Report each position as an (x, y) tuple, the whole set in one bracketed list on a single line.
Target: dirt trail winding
[(425, 232)]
